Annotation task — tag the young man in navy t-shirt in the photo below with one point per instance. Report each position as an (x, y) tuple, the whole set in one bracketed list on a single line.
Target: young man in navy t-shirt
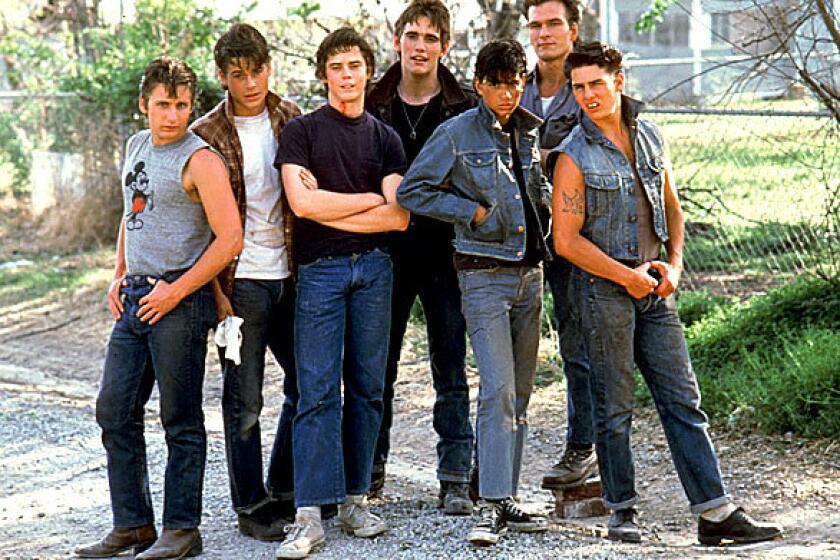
[(341, 169)]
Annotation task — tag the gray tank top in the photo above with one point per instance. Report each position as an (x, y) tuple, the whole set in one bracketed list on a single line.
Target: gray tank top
[(165, 230), (649, 244)]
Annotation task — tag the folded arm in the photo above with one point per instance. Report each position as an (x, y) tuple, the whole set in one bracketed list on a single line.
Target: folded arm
[(386, 217), (321, 205)]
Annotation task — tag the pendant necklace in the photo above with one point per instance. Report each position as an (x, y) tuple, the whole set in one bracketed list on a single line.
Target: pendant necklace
[(413, 126)]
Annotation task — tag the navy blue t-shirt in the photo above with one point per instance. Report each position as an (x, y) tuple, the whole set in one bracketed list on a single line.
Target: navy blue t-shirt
[(346, 155)]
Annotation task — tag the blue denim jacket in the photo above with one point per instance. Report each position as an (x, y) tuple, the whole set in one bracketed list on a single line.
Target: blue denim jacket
[(611, 210), (466, 162)]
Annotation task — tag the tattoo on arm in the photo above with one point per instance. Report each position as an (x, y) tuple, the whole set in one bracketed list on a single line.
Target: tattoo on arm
[(573, 204)]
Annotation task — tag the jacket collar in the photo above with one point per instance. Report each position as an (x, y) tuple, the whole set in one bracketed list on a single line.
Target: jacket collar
[(384, 90), (523, 119), (630, 109)]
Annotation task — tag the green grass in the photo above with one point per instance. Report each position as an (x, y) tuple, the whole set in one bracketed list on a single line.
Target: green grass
[(772, 361), (42, 277)]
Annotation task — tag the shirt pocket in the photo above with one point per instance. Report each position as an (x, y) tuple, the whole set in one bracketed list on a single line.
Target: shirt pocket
[(480, 172), (601, 192)]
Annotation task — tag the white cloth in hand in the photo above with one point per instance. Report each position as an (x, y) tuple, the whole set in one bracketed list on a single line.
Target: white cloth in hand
[(229, 336)]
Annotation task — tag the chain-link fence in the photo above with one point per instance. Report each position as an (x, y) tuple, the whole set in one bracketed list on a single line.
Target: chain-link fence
[(759, 189)]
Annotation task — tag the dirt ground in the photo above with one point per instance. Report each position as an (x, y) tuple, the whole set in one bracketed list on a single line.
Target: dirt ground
[(53, 491)]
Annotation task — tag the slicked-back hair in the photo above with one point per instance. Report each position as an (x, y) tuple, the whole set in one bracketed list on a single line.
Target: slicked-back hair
[(500, 60), (573, 9), (597, 54), (243, 42), (435, 10), (339, 41), (169, 72)]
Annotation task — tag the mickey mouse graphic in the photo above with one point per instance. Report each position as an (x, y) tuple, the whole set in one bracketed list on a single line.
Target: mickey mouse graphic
[(142, 198)]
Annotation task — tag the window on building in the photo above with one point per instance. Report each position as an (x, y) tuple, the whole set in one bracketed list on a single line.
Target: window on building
[(720, 28), (672, 32)]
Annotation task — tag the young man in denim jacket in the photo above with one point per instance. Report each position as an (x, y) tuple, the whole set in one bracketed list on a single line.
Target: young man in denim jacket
[(481, 171), (615, 205)]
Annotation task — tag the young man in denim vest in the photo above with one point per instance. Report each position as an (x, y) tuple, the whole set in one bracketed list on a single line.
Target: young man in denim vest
[(257, 286), (415, 95), (179, 231), (340, 168), (481, 172), (615, 205), (553, 31)]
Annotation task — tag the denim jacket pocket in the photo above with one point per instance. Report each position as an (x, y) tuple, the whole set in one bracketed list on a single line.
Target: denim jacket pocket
[(481, 172), (491, 228), (600, 191)]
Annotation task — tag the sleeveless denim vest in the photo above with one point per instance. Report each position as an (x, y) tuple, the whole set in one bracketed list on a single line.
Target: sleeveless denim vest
[(611, 210)]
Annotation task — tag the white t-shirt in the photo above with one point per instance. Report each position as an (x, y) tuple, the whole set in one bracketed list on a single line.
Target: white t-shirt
[(264, 255), (546, 103)]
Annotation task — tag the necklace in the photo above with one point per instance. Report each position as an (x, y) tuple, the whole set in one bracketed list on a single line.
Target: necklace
[(413, 126)]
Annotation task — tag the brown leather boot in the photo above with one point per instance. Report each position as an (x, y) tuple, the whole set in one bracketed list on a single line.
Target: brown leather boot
[(174, 543), (119, 540)]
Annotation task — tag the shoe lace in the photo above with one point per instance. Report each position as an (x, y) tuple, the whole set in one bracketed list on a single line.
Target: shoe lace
[(294, 530), (573, 456), (490, 513), (512, 510)]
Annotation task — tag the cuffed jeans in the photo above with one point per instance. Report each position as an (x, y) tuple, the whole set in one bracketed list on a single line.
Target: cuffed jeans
[(502, 309), (619, 331), (580, 409), (430, 274), (343, 312), (173, 353), (267, 308)]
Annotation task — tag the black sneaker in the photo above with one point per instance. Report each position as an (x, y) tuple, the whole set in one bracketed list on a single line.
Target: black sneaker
[(377, 480), (490, 527), (454, 498), (624, 526), (738, 528), (519, 520), (575, 466)]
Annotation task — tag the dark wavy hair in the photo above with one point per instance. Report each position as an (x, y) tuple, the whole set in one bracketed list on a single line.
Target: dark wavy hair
[(598, 54), (244, 42), (435, 10), (573, 8), (500, 60), (169, 72), (339, 41)]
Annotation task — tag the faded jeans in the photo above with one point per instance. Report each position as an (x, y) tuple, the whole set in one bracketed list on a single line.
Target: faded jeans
[(580, 410), (502, 309), (620, 332), (343, 314), (171, 352)]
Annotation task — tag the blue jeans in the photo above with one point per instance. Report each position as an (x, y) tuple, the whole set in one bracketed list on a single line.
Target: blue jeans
[(621, 331), (343, 313), (428, 273), (502, 308), (171, 352), (267, 307), (580, 409)]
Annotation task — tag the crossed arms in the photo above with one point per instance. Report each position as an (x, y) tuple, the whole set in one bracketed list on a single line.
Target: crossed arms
[(358, 213)]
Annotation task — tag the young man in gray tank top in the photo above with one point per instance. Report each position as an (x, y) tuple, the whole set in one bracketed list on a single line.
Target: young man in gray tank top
[(258, 286), (179, 230)]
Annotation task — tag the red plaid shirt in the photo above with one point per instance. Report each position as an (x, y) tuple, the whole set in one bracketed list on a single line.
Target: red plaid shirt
[(217, 128)]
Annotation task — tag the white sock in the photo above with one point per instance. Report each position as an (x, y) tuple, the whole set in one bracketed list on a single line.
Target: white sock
[(313, 512), (718, 514)]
